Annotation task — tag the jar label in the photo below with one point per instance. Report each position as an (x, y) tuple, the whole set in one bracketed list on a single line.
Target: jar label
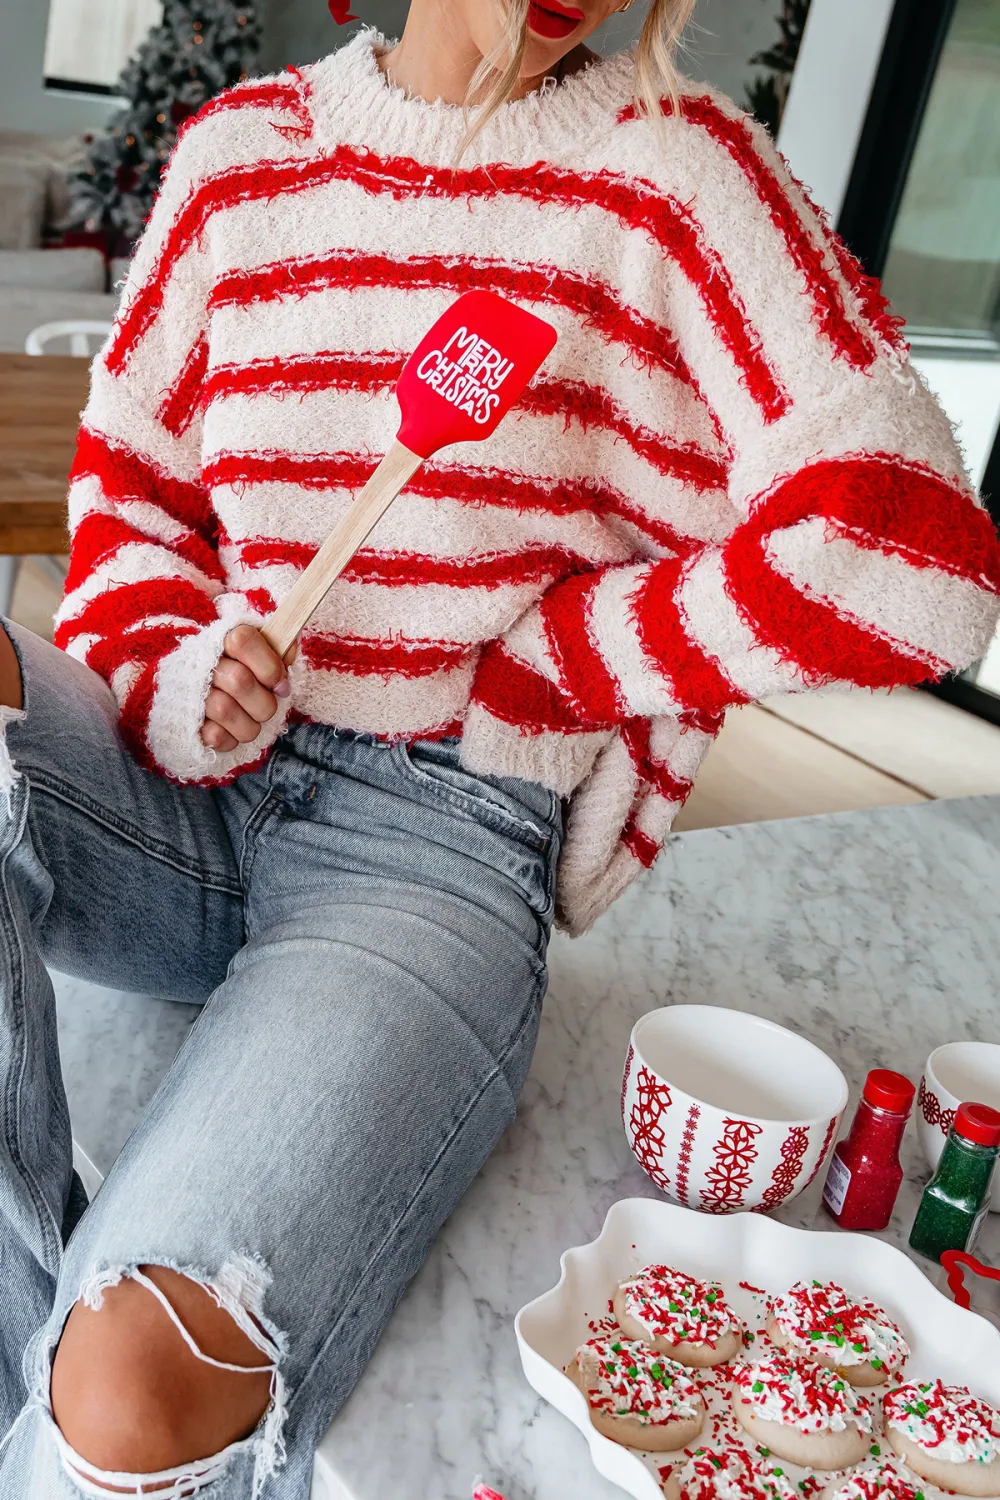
[(838, 1180), (977, 1225)]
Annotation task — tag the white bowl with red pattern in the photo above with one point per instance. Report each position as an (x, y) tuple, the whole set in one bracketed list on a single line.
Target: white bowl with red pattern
[(957, 1073), (726, 1111), (754, 1257)]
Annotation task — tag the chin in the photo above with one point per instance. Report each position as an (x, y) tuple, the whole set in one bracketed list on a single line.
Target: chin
[(540, 56)]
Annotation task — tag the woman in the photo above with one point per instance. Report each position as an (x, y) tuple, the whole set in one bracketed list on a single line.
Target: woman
[(726, 482)]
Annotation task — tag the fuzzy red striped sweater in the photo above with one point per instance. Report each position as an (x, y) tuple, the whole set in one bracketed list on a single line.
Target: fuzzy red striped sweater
[(725, 482)]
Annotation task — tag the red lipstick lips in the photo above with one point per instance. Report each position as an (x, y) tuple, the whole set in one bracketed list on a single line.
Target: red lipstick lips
[(549, 19)]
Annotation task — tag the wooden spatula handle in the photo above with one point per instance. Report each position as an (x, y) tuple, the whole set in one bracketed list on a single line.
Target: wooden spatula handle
[(312, 586)]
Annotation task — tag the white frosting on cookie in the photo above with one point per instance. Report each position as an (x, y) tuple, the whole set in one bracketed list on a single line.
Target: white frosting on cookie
[(946, 1421), (626, 1378), (679, 1308), (822, 1320), (798, 1393), (729, 1473)]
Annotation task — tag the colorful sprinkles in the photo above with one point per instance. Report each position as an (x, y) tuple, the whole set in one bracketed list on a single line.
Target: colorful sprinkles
[(729, 1473), (822, 1320), (883, 1483), (626, 1378), (946, 1421), (795, 1391), (679, 1308)]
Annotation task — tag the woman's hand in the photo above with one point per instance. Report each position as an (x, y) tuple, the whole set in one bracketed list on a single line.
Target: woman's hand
[(246, 686)]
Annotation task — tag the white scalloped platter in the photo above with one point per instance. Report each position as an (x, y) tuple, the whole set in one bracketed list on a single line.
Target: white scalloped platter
[(946, 1341)]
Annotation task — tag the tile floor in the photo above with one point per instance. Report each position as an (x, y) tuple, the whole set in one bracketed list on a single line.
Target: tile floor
[(789, 756)]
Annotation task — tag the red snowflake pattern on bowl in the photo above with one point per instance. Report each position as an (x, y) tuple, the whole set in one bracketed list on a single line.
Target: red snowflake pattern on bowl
[(646, 1131), (930, 1107), (786, 1173), (732, 1171), (684, 1155), (625, 1078)]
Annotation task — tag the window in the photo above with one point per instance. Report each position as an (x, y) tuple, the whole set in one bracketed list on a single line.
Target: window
[(88, 42), (943, 267)]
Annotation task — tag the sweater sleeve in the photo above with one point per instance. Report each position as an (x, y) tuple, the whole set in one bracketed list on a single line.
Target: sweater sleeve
[(146, 603), (860, 556)]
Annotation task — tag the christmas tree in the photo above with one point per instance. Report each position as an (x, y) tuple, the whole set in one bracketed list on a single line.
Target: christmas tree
[(768, 93), (200, 48)]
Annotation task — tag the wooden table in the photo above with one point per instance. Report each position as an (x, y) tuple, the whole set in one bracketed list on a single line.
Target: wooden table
[(41, 398)]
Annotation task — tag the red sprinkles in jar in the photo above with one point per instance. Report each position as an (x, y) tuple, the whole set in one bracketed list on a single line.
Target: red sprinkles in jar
[(679, 1308), (628, 1379), (785, 1388), (946, 1421)]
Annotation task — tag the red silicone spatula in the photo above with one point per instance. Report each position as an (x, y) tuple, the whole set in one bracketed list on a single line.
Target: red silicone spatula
[(457, 386)]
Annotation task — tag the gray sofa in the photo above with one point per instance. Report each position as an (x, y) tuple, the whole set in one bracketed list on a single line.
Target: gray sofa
[(40, 285)]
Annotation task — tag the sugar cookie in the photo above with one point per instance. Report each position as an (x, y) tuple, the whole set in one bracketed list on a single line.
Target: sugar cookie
[(946, 1435), (849, 1334), (636, 1396), (686, 1319), (801, 1411), (881, 1482), (727, 1472)]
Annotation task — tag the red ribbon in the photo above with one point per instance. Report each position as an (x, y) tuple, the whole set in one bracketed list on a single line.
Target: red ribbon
[(340, 10)]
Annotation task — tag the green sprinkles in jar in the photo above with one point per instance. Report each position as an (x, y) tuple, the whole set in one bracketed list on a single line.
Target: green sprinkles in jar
[(957, 1198)]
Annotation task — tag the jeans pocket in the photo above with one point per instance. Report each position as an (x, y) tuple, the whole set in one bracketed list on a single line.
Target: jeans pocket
[(494, 802)]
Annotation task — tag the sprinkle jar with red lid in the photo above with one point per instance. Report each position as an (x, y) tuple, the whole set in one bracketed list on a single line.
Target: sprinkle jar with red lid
[(865, 1173), (957, 1198)]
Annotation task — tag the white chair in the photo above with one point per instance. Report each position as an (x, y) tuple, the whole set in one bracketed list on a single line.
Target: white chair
[(79, 331)]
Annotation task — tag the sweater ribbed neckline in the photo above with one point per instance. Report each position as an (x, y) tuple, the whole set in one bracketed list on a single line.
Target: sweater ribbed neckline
[(352, 99)]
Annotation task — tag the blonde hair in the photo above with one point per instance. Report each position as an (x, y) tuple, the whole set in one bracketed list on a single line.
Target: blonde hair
[(497, 76)]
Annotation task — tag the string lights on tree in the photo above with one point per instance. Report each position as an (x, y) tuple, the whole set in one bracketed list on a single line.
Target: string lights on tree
[(200, 48)]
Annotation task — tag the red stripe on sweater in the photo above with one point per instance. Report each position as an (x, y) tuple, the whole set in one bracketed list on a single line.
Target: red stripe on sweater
[(591, 405), (106, 656), (324, 371), (635, 203), (181, 401), (127, 604), (735, 137), (636, 736), (396, 658), (439, 481), (565, 612), (884, 504), (640, 844), (133, 716), (810, 634), (126, 475), (275, 95), (880, 506), (867, 289), (100, 537), (697, 682), (513, 692), (486, 570), (147, 647), (595, 302)]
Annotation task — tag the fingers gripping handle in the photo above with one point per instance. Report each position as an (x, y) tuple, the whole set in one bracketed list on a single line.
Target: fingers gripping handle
[(312, 586)]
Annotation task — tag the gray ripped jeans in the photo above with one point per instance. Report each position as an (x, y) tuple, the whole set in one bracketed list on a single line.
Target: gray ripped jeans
[(365, 925)]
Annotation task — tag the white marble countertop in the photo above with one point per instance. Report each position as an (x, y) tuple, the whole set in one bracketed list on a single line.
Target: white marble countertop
[(875, 934)]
